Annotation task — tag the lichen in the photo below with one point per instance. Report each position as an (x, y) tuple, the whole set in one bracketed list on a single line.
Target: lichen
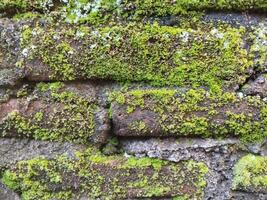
[(109, 177), (250, 173)]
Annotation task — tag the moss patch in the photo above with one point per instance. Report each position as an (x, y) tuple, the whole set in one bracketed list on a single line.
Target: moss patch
[(108, 177), (250, 173)]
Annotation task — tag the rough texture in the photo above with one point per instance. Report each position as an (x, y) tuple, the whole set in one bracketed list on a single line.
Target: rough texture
[(14, 150), (110, 99), (104, 177), (6, 194), (250, 174), (219, 155), (55, 112), (220, 57), (256, 87), (173, 112), (159, 55), (80, 11)]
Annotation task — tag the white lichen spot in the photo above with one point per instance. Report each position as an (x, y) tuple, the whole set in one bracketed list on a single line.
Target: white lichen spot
[(71, 52), (215, 32), (33, 47), (93, 46), (126, 155), (260, 43), (80, 34), (240, 95), (226, 44), (25, 52), (184, 36), (46, 4), (55, 37)]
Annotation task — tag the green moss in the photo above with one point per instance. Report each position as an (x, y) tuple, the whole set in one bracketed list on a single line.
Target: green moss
[(10, 180), (7, 4), (23, 6), (38, 116), (144, 162), (59, 62), (54, 87), (138, 126), (120, 98), (63, 116), (110, 114), (108, 177), (27, 15), (96, 12), (166, 8), (259, 37), (251, 172), (26, 36), (180, 198), (195, 112), (22, 92), (159, 55)]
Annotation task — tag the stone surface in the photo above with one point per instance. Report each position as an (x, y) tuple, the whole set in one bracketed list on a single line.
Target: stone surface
[(65, 56), (248, 196), (219, 155), (9, 43), (236, 19), (6, 194), (256, 87), (133, 10)]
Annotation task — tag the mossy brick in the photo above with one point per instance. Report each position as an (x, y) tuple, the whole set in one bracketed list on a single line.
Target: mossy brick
[(97, 176), (54, 111), (97, 12), (11, 7), (217, 58), (188, 112), (201, 55), (103, 11)]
